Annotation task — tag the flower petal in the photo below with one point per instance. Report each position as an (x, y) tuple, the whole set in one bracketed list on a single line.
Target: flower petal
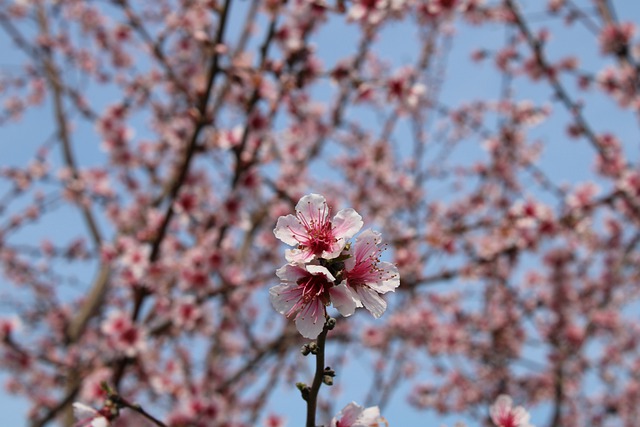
[(388, 280), (365, 249), (290, 272), (346, 223), (100, 422), (287, 228), (500, 408), (312, 206), (371, 417), (318, 269), (82, 411), (370, 236), (311, 319), (521, 416), (343, 299), (350, 414), (283, 297), (371, 301), (299, 256)]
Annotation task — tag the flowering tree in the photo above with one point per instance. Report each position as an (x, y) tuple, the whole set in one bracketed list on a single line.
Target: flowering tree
[(179, 143)]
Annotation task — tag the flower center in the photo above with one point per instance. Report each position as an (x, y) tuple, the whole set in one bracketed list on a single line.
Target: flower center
[(319, 232), (310, 287), (365, 270), (313, 287), (508, 420)]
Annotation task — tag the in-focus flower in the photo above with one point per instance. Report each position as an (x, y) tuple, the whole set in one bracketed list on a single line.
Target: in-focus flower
[(86, 416), (305, 291), (314, 234), (354, 415), (367, 276), (503, 414)]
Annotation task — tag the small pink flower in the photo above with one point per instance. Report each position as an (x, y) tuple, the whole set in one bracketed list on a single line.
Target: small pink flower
[(123, 335), (367, 276), (305, 291), (504, 415), (274, 421), (354, 415), (615, 38), (312, 231)]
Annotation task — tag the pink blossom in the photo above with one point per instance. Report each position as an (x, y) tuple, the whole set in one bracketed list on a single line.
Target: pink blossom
[(187, 313), (615, 38), (354, 415), (312, 231), (369, 12), (630, 183), (274, 421), (123, 335), (582, 196), (367, 276), (135, 258), (504, 415), (306, 291)]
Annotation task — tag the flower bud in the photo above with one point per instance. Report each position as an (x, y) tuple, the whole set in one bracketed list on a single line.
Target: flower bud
[(331, 323)]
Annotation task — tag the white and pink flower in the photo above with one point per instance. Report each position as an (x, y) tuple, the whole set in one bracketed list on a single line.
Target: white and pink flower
[(313, 233), (367, 276), (503, 414), (305, 291), (325, 269), (354, 415)]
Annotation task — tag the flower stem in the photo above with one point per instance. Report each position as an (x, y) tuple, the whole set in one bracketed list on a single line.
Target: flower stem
[(121, 402), (312, 399)]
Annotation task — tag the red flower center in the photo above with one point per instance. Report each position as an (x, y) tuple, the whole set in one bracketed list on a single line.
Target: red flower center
[(319, 231)]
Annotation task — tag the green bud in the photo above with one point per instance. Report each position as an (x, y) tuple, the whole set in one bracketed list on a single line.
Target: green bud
[(304, 390), (305, 350), (331, 323)]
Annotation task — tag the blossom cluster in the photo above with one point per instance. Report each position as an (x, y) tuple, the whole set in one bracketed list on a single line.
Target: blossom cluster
[(324, 268)]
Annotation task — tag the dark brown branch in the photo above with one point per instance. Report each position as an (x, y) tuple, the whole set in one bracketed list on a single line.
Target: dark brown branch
[(312, 398), (176, 184), (99, 287), (54, 82), (201, 122)]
